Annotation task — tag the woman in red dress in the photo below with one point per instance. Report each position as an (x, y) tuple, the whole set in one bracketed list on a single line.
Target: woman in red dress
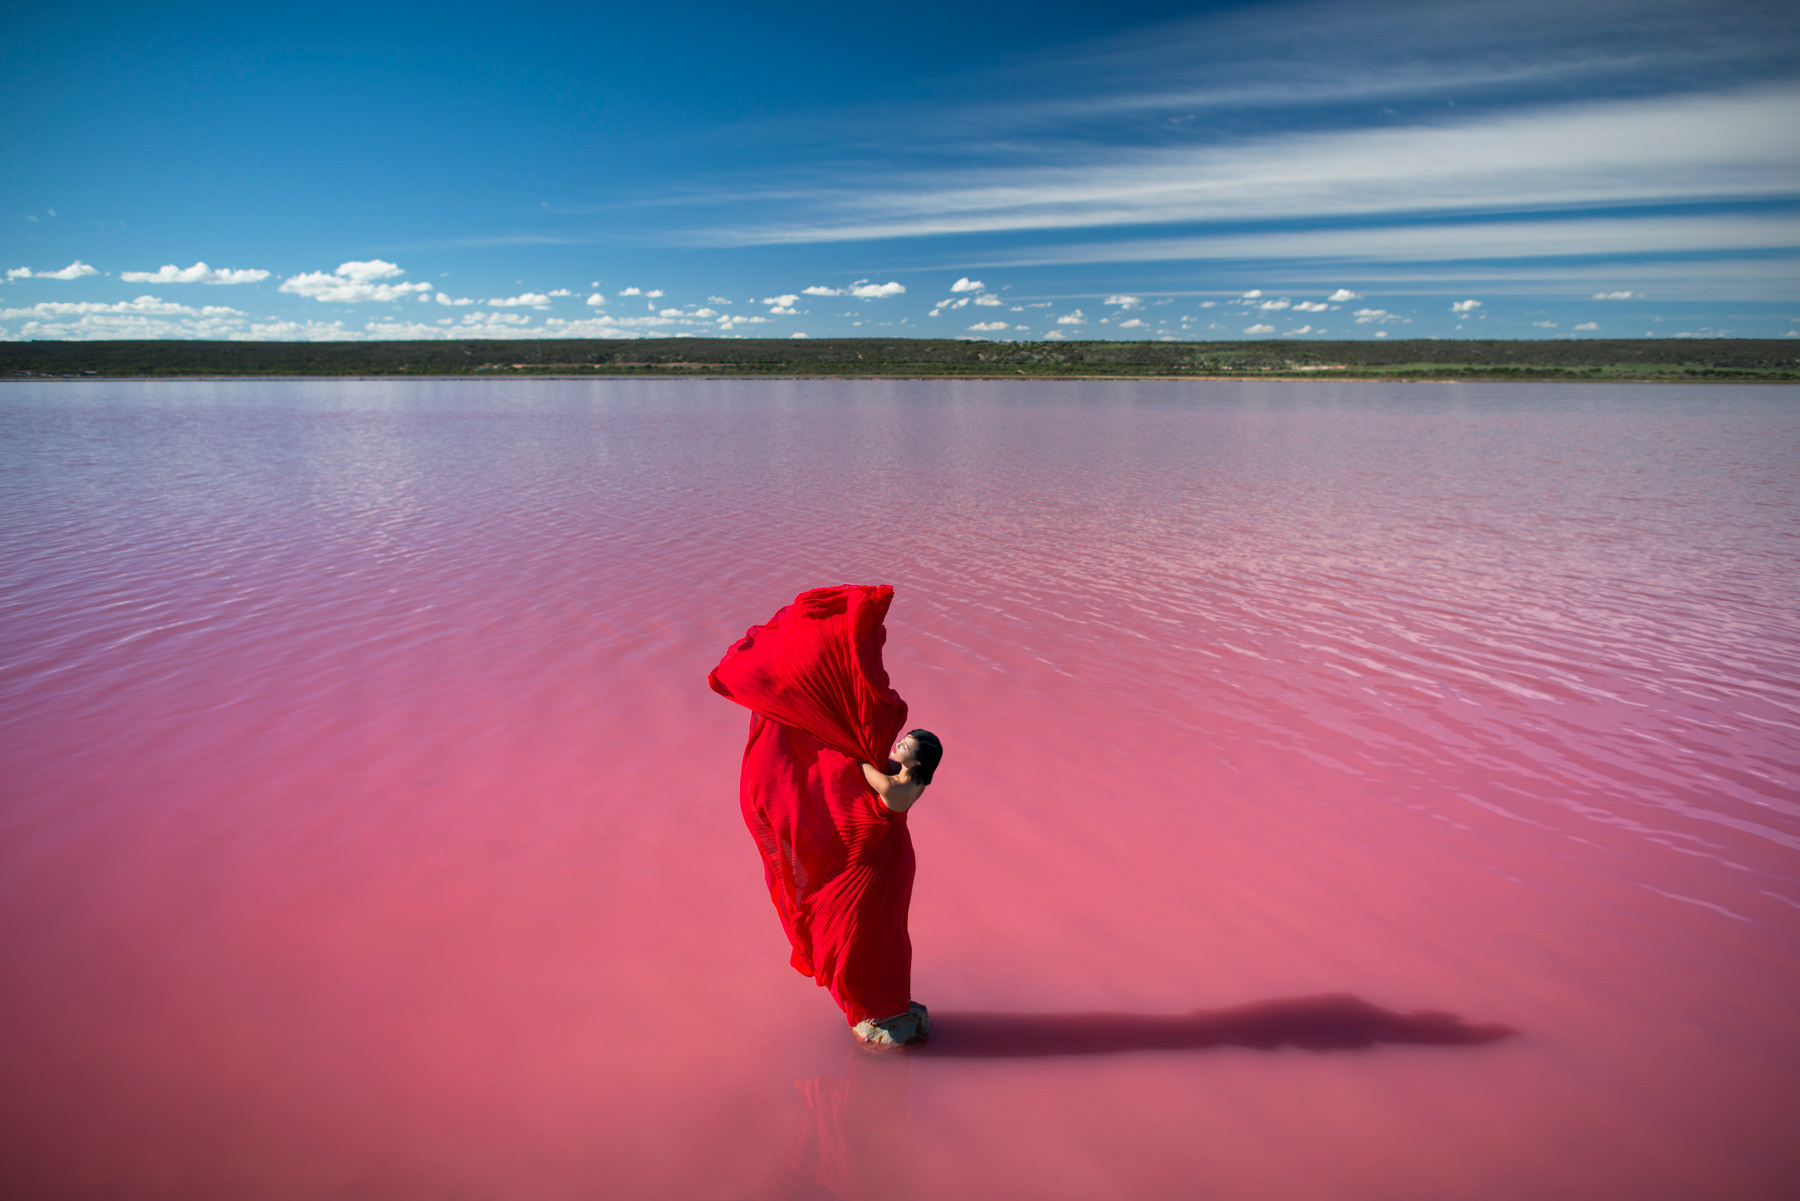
[(829, 824)]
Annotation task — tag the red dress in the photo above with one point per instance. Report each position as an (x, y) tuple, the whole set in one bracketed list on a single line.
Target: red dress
[(838, 862)]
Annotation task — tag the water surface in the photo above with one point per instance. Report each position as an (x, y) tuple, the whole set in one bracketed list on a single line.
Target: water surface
[(368, 829)]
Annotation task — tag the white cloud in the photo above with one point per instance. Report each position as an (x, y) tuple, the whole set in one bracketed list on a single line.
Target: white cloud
[(1545, 324), (1343, 294), (1253, 294), (1376, 316), (1259, 329), (1304, 329), (965, 284), (1465, 306), (1743, 145), (1207, 304), (74, 270), (1588, 326), (598, 298), (1134, 323), (1075, 318), (654, 292), (1381, 333), (1123, 301), (142, 305), (717, 300), (147, 317), (457, 301), (671, 313), (199, 273), (525, 300), (1618, 295), (989, 326), (817, 290), (1272, 306), (798, 334), (352, 283), (632, 292), (560, 292), (868, 291), (1311, 306), (988, 299), (783, 304), (1055, 335)]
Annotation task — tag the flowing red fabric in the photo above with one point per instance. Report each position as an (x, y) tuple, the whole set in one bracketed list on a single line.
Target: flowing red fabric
[(838, 862)]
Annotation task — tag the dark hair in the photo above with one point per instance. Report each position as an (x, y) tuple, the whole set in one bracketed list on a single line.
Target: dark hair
[(931, 753)]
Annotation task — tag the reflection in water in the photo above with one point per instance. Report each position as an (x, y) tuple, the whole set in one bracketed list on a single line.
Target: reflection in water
[(1336, 1022), (856, 1143)]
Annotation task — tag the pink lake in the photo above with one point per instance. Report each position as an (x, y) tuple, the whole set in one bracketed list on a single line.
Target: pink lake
[(368, 829)]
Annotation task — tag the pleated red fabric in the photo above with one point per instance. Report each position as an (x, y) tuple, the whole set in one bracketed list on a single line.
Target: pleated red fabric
[(838, 862)]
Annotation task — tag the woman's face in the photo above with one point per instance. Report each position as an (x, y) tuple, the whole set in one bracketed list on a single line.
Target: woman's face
[(906, 753)]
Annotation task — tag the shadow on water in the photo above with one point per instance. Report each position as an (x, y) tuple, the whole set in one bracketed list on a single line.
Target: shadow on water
[(855, 1143), (1335, 1022)]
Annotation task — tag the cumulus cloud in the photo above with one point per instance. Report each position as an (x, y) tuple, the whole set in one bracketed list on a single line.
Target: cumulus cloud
[(634, 292), (1273, 306), (865, 290), (353, 283), (1618, 295), (1075, 318), (717, 300), (1588, 326), (818, 290), (989, 326), (199, 273), (598, 298), (1123, 301), (146, 317), (452, 300), (1343, 294), (783, 304), (1055, 335), (142, 305), (1292, 333), (1134, 323), (1311, 306), (525, 300), (1253, 294), (560, 292), (988, 299), (1465, 306), (1259, 329), (1375, 316), (965, 284), (798, 334), (1545, 324), (74, 270)]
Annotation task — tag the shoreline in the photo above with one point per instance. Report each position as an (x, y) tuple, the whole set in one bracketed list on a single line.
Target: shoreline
[(1259, 377)]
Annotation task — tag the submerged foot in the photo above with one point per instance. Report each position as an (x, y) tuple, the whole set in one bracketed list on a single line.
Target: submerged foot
[(907, 1029)]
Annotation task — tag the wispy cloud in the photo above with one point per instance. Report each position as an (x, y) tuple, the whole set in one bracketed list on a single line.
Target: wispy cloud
[(1687, 148)]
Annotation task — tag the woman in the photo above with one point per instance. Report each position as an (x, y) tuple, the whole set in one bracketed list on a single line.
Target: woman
[(830, 826)]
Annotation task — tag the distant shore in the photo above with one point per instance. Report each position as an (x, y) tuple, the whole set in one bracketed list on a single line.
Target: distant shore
[(1767, 360)]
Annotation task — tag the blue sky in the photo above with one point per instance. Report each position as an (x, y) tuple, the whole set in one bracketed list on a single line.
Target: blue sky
[(1301, 168)]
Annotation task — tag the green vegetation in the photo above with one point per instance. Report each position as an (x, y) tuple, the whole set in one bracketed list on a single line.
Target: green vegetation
[(1766, 359)]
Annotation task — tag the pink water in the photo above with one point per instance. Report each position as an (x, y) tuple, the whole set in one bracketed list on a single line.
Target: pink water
[(369, 831)]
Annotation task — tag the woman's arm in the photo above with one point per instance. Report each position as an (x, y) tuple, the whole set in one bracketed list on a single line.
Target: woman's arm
[(897, 794)]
